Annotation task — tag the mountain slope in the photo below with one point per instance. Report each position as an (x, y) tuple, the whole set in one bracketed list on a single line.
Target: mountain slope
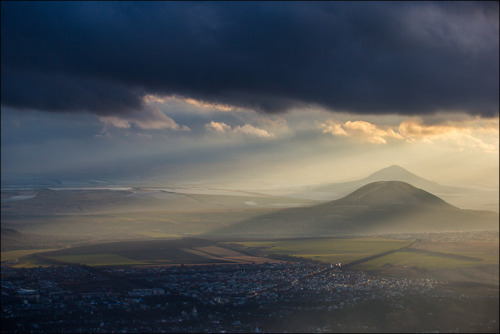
[(392, 193), (470, 198), (379, 207)]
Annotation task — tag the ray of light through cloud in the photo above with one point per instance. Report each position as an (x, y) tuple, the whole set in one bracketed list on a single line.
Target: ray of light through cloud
[(258, 92)]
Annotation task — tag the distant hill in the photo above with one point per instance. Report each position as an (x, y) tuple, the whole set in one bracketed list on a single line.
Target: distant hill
[(46, 201), (14, 240), (378, 207), (390, 193), (397, 173), (391, 173), (478, 199), (11, 238)]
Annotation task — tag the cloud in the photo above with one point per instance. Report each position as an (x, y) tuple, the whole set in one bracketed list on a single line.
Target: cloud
[(418, 129), (105, 57), (462, 135), (362, 130), (210, 105), (218, 126), (475, 133), (251, 130), (246, 129), (202, 105), (151, 119)]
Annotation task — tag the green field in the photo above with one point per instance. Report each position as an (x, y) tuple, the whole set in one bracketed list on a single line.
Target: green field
[(133, 253), (414, 259), (101, 259), (332, 250), (31, 261), (439, 255), (474, 261), (32, 258), (11, 255)]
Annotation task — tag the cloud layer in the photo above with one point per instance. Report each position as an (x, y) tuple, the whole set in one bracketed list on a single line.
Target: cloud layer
[(246, 129), (150, 119), (106, 57), (468, 133)]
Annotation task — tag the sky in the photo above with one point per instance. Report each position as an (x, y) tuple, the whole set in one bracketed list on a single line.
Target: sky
[(252, 94)]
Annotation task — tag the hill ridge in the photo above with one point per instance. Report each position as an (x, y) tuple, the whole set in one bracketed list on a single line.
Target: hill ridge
[(378, 207), (390, 193)]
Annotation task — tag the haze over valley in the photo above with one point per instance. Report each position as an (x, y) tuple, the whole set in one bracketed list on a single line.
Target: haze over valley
[(249, 167)]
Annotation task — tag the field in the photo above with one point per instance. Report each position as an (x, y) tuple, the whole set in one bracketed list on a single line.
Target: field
[(12, 255), (55, 224), (136, 253), (464, 261), (410, 258), (100, 259), (467, 261), (32, 261), (331, 250), (436, 255)]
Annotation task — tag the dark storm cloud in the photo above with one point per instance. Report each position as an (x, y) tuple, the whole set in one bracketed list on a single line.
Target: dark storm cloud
[(409, 58), (57, 91)]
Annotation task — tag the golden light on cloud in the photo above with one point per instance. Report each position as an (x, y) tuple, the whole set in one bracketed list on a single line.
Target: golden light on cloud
[(217, 126), (364, 131), (478, 134), (149, 119), (471, 133), (245, 129), (149, 99), (415, 129), (207, 105), (251, 130)]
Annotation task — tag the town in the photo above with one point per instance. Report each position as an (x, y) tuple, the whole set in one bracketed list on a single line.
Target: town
[(286, 297)]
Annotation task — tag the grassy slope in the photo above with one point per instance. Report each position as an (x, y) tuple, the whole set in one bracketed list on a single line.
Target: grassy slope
[(331, 250), (12, 255), (57, 231), (472, 261)]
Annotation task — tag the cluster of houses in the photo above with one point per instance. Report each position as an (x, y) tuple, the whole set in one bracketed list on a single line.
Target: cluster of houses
[(182, 296)]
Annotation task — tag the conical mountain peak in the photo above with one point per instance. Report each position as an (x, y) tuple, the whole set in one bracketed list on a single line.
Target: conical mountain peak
[(391, 173), (398, 173), (383, 193), (377, 207), (395, 172)]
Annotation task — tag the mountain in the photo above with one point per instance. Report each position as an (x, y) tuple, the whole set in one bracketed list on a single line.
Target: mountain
[(391, 193), (391, 173), (477, 199), (397, 173), (14, 240), (378, 207), (11, 235)]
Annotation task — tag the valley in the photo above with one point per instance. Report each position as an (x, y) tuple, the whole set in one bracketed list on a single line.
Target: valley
[(250, 167), (386, 242)]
